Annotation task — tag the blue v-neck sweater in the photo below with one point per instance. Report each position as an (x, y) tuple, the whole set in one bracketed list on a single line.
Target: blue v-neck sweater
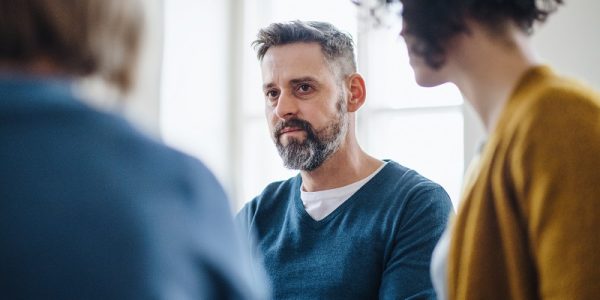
[(377, 244)]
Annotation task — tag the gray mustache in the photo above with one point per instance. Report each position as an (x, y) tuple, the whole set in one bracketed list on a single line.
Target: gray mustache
[(298, 123)]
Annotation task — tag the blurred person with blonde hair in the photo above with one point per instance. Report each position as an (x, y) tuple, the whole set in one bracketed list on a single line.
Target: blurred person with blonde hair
[(89, 207)]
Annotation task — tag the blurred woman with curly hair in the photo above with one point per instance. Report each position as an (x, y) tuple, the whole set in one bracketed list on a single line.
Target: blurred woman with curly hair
[(528, 221)]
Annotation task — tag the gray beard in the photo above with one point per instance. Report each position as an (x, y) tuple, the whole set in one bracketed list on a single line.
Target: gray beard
[(311, 153), (306, 156)]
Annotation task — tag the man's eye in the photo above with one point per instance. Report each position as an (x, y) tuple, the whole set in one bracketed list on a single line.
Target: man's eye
[(272, 94), (305, 88)]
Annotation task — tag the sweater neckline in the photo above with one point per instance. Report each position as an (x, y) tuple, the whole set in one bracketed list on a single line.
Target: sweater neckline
[(370, 185)]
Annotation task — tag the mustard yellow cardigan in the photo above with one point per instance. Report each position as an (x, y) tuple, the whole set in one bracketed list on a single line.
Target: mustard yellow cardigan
[(529, 225)]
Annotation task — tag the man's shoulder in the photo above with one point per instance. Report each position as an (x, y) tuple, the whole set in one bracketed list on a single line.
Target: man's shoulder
[(108, 147), (274, 193), (141, 149), (398, 176), (401, 187)]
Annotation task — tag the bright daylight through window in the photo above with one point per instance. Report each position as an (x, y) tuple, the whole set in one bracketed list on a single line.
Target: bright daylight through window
[(417, 127)]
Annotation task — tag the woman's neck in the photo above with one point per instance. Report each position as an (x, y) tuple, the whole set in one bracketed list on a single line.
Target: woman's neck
[(489, 68)]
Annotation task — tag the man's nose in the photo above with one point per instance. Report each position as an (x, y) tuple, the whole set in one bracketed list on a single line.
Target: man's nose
[(286, 107)]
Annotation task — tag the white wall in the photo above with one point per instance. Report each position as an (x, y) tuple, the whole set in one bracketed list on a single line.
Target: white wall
[(570, 40)]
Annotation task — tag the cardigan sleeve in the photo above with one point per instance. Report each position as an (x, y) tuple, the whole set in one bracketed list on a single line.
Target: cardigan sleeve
[(556, 168)]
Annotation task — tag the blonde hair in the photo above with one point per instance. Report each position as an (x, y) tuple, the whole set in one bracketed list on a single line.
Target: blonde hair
[(80, 37)]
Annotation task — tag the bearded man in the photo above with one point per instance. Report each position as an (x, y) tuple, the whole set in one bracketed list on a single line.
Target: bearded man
[(349, 226)]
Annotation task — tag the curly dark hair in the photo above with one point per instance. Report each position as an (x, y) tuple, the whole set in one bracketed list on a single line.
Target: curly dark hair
[(434, 22)]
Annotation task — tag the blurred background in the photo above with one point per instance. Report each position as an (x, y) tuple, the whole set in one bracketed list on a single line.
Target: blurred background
[(200, 87)]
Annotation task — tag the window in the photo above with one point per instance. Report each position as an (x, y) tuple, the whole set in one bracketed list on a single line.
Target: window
[(420, 128), (212, 105)]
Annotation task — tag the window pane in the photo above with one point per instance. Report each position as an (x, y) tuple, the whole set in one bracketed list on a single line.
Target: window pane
[(390, 79), (341, 13), (194, 79), (430, 142)]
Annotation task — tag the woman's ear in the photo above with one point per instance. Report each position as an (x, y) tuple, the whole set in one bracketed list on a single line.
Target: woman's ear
[(358, 92)]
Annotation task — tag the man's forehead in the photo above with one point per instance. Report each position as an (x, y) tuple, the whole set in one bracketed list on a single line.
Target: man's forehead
[(297, 48), (294, 62), (295, 54)]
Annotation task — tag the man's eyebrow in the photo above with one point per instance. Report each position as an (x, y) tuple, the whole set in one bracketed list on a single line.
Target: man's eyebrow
[(268, 86), (306, 79), (295, 81)]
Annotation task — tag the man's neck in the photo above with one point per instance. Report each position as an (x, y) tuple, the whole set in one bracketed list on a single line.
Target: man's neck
[(347, 165)]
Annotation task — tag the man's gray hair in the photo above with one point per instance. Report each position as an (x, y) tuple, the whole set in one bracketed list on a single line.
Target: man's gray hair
[(336, 45)]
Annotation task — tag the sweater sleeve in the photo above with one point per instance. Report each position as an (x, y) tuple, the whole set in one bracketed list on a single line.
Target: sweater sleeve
[(243, 219), (556, 167), (406, 272)]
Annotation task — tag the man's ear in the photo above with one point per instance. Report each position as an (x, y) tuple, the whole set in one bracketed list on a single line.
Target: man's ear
[(358, 92)]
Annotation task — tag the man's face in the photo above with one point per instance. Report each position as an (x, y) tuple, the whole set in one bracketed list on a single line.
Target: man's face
[(305, 104)]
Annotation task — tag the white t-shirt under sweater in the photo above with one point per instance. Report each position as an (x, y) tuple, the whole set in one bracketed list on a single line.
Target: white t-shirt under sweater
[(320, 204)]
